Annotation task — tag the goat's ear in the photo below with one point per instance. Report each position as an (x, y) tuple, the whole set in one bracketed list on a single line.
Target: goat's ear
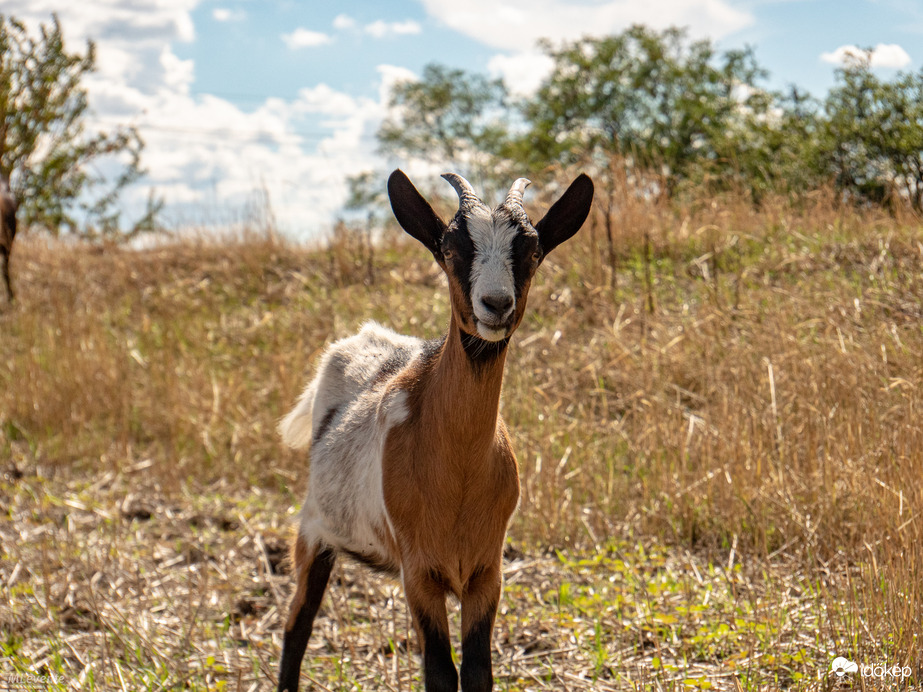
[(567, 215), (414, 213)]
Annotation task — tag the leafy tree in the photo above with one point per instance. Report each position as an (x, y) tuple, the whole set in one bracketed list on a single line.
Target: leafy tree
[(45, 146), (656, 98), (667, 113), (777, 147), (449, 117), (874, 131), (852, 107), (902, 131)]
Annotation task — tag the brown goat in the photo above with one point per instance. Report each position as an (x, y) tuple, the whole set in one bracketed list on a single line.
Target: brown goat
[(412, 470), (8, 206)]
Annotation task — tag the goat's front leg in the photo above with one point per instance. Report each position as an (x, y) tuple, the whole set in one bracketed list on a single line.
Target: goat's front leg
[(426, 597), (479, 608), (312, 569)]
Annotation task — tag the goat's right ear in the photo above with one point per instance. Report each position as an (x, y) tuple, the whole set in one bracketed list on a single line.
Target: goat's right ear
[(414, 214)]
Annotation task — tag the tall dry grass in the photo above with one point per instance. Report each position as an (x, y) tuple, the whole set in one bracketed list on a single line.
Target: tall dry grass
[(742, 381)]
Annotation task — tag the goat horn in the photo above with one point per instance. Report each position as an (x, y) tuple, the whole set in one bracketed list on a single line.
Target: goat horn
[(514, 198), (467, 197)]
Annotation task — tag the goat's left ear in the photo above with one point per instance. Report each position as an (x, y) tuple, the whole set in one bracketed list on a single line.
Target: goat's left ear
[(567, 215), (414, 214)]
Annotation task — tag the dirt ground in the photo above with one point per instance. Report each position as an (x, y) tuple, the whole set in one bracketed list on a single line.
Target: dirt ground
[(108, 584)]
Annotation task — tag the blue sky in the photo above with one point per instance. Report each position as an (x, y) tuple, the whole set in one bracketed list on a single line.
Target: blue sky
[(233, 96)]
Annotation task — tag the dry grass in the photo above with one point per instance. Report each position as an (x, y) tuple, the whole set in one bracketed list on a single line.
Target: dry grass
[(114, 584), (720, 444)]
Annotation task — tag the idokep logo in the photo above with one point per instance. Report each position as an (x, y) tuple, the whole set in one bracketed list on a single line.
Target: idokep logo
[(841, 666), (900, 672)]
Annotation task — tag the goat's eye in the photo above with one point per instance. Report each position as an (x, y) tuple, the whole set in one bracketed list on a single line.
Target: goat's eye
[(536, 256), (447, 254)]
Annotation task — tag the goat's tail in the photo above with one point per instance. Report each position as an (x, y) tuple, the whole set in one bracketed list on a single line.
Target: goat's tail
[(297, 428)]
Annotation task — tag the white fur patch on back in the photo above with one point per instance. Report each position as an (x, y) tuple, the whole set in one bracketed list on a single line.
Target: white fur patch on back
[(351, 406)]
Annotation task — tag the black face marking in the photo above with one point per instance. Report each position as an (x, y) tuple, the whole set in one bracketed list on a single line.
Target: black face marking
[(458, 241), (525, 245), (516, 214)]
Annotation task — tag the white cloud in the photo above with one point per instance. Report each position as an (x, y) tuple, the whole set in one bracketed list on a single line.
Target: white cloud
[(223, 14), (178, 74), (129, 39), (343, 22), (523, 72), (516, 25), (301, 151), (380, 28), (204, 155), (325, 100), (305, 38), (391, 75), (883, 55), (115, 62)]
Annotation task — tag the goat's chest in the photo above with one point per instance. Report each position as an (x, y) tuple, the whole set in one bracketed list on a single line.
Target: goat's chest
[(450, 505)]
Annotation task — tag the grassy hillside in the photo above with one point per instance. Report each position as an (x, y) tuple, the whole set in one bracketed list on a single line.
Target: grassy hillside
[(717, 419)]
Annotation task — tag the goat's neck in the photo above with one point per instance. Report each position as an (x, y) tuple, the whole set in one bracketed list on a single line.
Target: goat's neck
[(467, 379)]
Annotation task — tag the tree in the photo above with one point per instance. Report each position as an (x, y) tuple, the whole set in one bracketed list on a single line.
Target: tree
[(776, 147), (45, 146), (874, 131), (449, 116), (659, 100), (667, 114), (902, 131)]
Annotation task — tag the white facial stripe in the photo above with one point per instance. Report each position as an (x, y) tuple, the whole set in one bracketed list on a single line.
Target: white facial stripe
[(493, 247), (492, 267)]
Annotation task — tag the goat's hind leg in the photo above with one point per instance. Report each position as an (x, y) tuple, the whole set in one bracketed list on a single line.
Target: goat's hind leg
[(312, 569)]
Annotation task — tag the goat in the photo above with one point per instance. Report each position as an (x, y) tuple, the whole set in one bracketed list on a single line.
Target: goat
[(412, 470), (8, 206)]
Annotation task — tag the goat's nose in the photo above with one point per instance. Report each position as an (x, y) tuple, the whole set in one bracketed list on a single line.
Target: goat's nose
[(498, 304)]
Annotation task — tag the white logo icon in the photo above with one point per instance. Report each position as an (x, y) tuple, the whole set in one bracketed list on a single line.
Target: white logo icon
[(841, 666)]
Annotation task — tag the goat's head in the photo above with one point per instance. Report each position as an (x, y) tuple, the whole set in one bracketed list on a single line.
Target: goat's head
[(489, 256)]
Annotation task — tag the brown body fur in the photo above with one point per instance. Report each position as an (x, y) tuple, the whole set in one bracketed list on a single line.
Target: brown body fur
[(450, 493)]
